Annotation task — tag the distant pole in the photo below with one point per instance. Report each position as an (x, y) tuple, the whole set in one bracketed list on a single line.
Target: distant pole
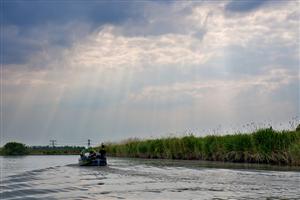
[(89, 143), (52, 143)]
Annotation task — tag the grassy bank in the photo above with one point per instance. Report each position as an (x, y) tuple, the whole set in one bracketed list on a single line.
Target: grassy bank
[(263, 146)]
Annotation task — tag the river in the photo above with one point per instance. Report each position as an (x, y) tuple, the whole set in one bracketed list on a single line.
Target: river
[(59, 177)]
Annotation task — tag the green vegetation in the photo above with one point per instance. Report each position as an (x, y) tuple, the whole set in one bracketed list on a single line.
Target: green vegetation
[(298, 127), (14, 149), (263, 146)]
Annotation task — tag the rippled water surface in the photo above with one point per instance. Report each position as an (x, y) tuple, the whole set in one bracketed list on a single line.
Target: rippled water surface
[(58, 177)]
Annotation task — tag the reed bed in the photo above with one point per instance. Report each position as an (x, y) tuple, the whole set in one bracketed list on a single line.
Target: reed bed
[(262, 146)]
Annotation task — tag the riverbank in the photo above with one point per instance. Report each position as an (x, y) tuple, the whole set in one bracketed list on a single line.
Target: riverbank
[(263, 146)]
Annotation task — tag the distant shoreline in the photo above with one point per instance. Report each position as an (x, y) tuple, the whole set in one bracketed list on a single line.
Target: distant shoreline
[(39, 155), (46, 150)]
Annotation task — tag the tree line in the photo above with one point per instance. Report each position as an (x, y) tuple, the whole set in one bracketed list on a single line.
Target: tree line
[(16, 148)]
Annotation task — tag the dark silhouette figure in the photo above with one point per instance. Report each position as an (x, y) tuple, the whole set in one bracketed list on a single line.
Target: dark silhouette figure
[(102, 152)]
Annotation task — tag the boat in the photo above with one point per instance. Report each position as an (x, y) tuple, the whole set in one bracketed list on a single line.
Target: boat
[(90, 158)]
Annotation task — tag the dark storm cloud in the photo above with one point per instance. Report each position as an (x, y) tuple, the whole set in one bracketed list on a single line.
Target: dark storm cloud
[(53, 16), (244, 6), (30, 13), (20, 43), (16, 50)]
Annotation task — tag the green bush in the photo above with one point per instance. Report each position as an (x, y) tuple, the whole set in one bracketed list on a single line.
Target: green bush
[(14, 149), (298, 127)]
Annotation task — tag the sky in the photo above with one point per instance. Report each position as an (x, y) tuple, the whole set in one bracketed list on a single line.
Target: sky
[(111, 70)]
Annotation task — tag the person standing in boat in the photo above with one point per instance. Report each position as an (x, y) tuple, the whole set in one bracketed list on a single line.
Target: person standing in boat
[(102, 152)]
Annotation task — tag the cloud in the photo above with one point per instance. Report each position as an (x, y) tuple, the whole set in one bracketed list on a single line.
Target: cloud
[(226, 47), (32, 26), (21, 45), (265, 84), (107, 49)]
